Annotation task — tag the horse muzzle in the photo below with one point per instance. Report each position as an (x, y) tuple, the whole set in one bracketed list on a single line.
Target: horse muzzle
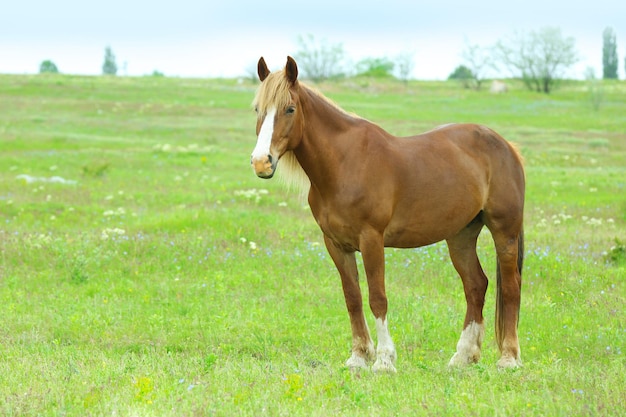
[(264, 166)]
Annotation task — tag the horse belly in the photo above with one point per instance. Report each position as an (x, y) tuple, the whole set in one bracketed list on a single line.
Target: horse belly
[(424, 235), (430, 223)]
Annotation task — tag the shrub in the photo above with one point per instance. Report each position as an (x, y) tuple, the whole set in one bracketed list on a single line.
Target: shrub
[(617, 254), (463, 74), (375, 67), (48, 66)]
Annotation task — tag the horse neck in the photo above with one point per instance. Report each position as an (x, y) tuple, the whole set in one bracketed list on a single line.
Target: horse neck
[(323, 141)]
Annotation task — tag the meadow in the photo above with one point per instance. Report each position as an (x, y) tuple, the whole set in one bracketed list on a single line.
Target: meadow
[(146, 271)]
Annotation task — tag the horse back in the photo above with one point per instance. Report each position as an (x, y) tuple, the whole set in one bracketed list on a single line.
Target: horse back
[(446, 177), (463, 149)]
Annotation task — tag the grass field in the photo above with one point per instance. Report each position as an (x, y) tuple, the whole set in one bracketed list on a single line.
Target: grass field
[(146, 271)]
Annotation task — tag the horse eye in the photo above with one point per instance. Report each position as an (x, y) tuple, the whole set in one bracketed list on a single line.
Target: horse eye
[(290, 110), (256, 109)]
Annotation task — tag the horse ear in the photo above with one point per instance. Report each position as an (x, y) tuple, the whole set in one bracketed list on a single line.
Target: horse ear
[(262, 70), (291, 70)]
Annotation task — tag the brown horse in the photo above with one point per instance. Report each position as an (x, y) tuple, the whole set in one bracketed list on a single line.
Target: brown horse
[(368, 189)]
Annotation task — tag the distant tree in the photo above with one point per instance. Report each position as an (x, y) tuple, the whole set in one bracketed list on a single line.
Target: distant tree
[(478, 59), (594, 86), (319, 60), (609, 54), (375, 67), (463, 74), (539, 59), (404, 64), (109, 67), (48, 66)]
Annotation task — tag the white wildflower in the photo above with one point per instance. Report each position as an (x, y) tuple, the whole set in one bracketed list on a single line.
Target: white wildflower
[(252, 193), (594, 222), (109, 232), (120, 211)]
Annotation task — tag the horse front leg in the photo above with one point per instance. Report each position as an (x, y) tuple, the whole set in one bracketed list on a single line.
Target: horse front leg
[(373, 251), (362, 345)]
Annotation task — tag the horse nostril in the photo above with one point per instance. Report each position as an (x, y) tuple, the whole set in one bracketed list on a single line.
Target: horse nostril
[(270, 159)]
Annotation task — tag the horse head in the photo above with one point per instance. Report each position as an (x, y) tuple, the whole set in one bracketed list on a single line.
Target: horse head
[(279, 119)]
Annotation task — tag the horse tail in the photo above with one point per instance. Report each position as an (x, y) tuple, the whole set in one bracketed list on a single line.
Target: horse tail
[(499, 298)]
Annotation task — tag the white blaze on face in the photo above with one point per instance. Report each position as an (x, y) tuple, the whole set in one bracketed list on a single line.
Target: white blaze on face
[(264, 140)]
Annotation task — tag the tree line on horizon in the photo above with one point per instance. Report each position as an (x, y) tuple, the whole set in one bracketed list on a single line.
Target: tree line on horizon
[(539, 58), (109, 66)]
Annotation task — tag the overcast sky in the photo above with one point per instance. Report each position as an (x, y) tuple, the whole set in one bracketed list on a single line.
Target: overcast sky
[(200, 38)]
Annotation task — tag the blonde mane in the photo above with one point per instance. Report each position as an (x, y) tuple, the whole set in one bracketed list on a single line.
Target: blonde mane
[(291, 174)]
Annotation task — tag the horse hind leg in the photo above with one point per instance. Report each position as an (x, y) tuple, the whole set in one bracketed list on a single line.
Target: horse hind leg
[(462, 248), (510, 252)]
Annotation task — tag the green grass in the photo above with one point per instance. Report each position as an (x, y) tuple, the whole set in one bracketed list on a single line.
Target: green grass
[(169, 280)]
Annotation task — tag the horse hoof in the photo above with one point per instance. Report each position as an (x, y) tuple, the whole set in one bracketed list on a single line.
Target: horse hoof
[(356, 362), (384, 366), (460, 360), (509, 362)]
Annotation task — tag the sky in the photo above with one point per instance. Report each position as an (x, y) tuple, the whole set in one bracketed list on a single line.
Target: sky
[(225, 38)]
